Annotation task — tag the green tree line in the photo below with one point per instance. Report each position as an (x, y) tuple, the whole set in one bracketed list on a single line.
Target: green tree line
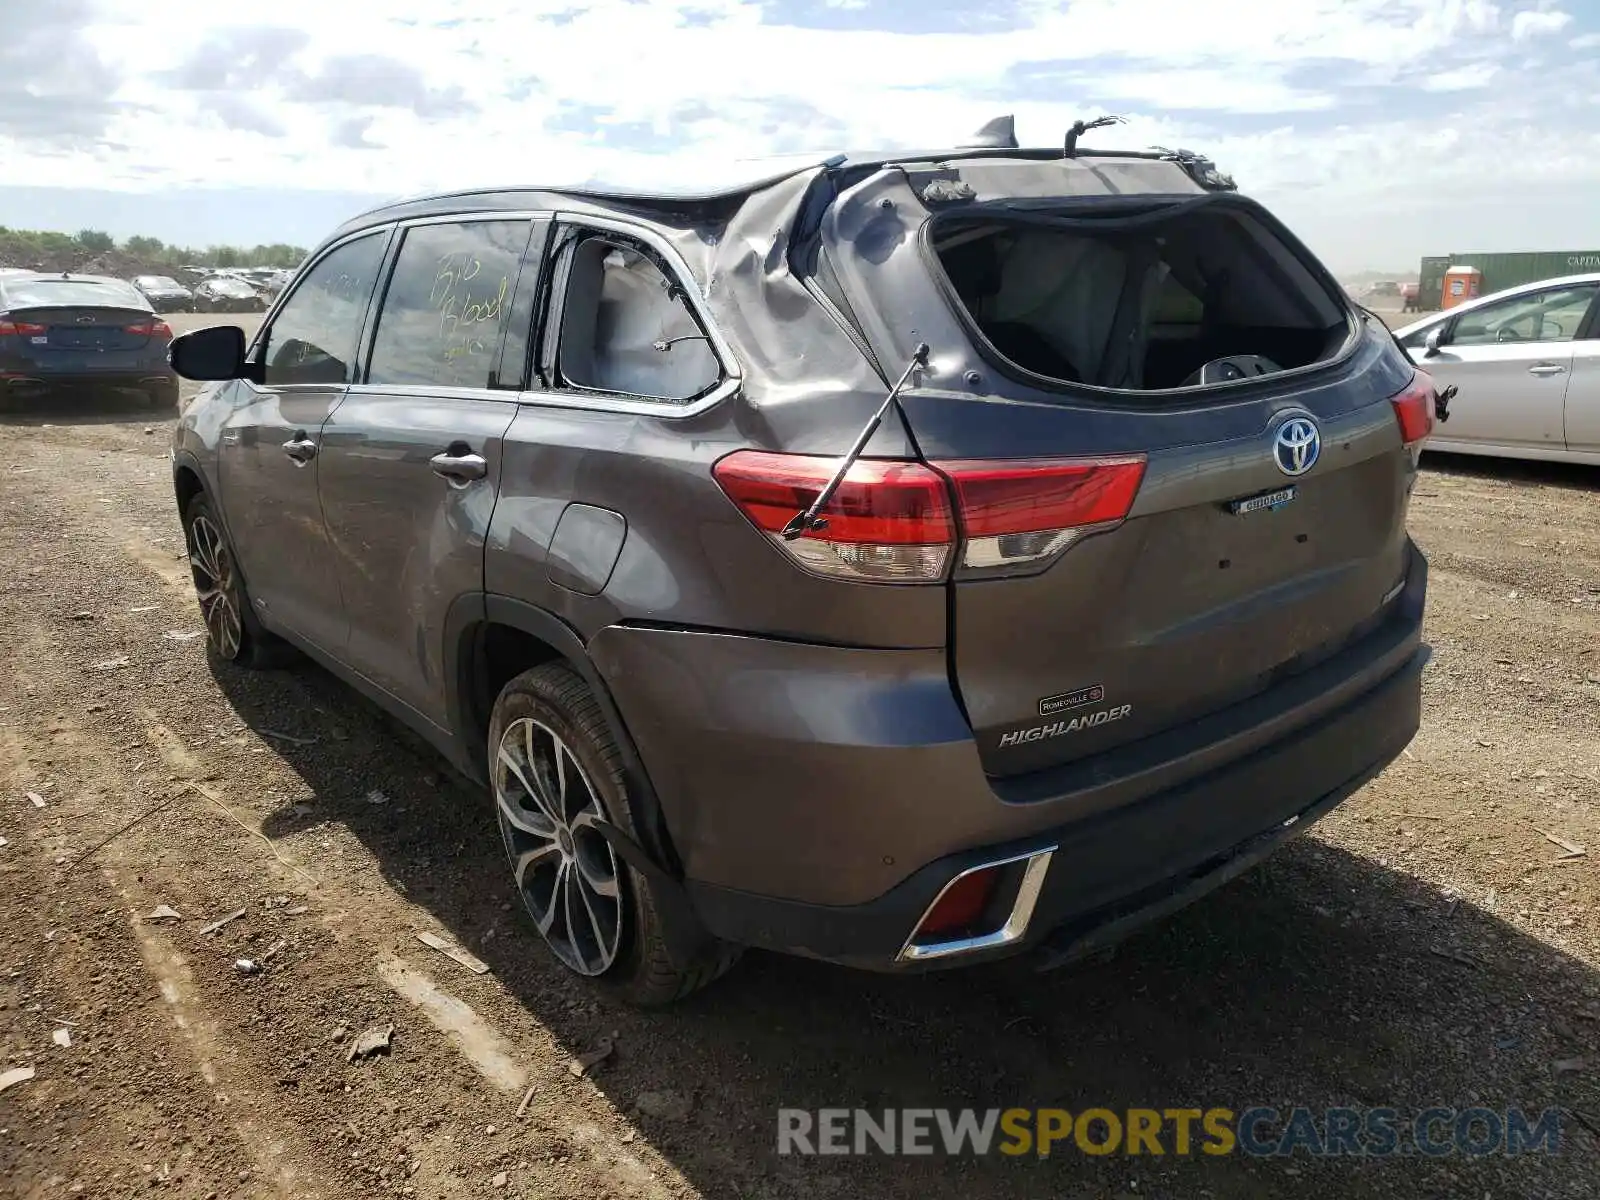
[(28, 247)]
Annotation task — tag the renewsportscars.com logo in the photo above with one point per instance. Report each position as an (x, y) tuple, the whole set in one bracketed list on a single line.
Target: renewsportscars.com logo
[(1257, 1132)]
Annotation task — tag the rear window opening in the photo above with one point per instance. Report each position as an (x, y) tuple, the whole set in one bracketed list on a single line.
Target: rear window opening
[(1206, 296)]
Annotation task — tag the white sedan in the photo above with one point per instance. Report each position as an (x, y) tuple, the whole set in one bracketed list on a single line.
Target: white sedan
[(1526, 365)]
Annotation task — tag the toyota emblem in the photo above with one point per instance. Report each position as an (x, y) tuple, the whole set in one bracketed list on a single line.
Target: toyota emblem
[(1297, 446)]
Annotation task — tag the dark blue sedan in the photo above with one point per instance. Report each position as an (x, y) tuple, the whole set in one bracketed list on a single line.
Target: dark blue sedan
[(63, 333)]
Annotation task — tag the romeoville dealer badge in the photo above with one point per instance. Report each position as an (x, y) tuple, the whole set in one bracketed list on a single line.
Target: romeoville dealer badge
[(1092, 694)]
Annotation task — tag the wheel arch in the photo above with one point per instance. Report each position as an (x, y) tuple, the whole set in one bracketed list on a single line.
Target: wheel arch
[(491, 639), (188, 480)]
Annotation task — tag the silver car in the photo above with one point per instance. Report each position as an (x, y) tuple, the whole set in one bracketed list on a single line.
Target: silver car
[(1526, 362)]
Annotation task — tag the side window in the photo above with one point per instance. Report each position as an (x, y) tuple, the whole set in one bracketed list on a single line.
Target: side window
[(313, 337), (627, 329), (446, 304), (1552, 316)]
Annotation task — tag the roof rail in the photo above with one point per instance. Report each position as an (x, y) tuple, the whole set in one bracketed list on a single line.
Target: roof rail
[(1199, 168)]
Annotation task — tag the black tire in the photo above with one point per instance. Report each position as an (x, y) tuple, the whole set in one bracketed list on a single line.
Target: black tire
[(246, 644), (643, 971), (164, 397)]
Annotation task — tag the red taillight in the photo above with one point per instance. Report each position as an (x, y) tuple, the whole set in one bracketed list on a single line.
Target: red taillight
[(889, 522), (1413, 408), (961, 904), (898, 522), (20, 328), (158, 329), (1018, 512)]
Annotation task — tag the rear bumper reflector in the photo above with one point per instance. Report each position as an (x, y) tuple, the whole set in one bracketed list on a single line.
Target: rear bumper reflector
[(929, 939)]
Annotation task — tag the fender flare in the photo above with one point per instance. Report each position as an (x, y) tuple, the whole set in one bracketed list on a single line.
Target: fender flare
[(185, 460), (462, 622), (649, 851), (209, 486)]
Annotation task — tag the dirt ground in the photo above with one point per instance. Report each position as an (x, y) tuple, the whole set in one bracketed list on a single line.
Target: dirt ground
[(1426, 944)]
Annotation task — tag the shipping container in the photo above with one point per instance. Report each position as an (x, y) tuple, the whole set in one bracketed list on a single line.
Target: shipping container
[(1502, 270)]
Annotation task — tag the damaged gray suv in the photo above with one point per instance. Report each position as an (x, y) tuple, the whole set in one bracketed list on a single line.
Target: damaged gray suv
[(901, 560)]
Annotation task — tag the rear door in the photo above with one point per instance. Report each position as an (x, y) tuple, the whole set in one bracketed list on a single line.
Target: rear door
[(270, 444), (1511, 361), (1266, 528), (1583, 388), (1262, 537), (410, 461)]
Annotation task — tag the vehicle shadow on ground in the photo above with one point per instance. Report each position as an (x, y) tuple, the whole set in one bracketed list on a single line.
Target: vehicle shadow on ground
[(104, 408), (1323, 977), (1574, 476)]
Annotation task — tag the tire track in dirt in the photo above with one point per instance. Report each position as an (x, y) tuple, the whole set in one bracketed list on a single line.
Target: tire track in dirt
[(215, 1008), (275, 1155), (243, 1110), (97, 793)]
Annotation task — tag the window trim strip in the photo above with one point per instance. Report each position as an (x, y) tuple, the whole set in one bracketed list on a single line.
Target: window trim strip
[(732, 380)]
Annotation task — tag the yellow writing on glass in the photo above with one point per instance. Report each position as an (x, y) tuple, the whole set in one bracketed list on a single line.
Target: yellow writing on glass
[(468, 315)]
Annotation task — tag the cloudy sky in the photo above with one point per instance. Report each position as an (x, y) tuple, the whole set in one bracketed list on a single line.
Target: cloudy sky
[(1380, 129)]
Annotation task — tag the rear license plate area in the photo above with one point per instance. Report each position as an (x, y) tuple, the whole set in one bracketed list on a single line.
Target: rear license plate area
[(1266, 501)]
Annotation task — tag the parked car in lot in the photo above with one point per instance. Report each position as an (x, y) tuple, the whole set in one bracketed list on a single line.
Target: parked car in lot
[(164, 293), (1526, 363), (842, 562), (257, 277), (267, 281), (227, 294), (61, 334)]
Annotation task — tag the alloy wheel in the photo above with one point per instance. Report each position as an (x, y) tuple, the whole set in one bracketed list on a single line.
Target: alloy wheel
[(565, 869), (216, 584)]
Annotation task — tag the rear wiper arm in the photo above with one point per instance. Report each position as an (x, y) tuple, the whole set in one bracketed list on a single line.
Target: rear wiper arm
[(811, 519)]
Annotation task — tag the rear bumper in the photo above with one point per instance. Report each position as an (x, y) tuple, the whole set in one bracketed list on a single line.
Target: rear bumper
[(27, 379), (1108, 877), (820, 798)]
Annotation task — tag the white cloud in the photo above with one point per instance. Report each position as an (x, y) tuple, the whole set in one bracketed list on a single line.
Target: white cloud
[(1322, 102), (1462, 79), (1527, 25)]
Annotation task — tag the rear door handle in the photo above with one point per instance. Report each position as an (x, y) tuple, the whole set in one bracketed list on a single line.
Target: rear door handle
[(300, 448), (1546, 369), (458, 470)]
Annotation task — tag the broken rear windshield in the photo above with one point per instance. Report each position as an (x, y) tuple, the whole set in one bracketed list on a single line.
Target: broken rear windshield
[(1143, 304)]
